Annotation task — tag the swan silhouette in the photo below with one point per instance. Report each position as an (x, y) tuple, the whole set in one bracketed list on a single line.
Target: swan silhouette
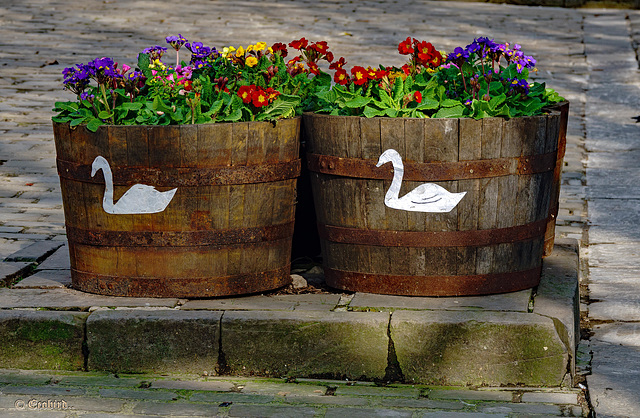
[(427, 197), (140, 198)]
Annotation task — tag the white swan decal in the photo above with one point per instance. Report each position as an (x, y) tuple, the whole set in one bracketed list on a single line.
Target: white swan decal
[(427, 197), (140, 198)]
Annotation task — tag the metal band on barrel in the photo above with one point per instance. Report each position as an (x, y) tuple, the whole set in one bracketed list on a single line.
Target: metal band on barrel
[(221, 237), (186, 176), (475, 284), (435, 171), (388, 238)]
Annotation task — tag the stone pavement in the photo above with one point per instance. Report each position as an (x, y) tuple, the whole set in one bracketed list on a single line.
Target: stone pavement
[(588, 55)]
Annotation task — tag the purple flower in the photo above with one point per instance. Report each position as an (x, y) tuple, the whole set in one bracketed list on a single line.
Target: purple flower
[(102, 69), (198, 50), (155, 52), (76, 79), (87, 96), (481, 46), (458, 56), (201, 52), (176, 42)]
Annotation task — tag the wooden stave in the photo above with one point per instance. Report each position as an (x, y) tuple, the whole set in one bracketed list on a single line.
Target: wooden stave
[(512, 257), (262, 143)]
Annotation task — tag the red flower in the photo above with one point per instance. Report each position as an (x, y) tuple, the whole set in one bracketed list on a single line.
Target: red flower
[(272, 94), (320, 47), (380, 74), (406, 69), (246, 93), (406, 47), (329, 56), (299, 44), (338, 64), (436, 60), (341, 77), (259, 98), (360, 75), (417, 96), (313, 68), (280, 48)]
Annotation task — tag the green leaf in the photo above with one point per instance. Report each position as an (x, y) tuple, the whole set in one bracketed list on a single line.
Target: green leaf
[(370, 112), (497, 101), (392, 113), (357, 102), (449, 103), (450, 112), (68, 106), (284, 106), (59, 119), (428, 104), (387, 101), (398, 89), (131, 106), (93, 124), (76, 122), (234, 116), (104, 115)]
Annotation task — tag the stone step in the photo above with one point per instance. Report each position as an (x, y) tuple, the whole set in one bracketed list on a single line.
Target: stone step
[(523, 338)]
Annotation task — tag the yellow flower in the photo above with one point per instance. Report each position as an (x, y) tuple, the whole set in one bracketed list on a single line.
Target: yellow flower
[(250, 48), (260, 46), (227, 50), (240, 52), (251, 61)]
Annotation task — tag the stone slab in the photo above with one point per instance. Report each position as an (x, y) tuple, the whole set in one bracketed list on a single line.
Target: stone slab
[(604, 275), (46, 279), (515, 301), (613, 183), (558, 295), (37, 251), (619, 333), (257, 302), (155, 341), (72, 299), (10, 271), (614, 255), (351, 345), (58, 260), (614, 301), (614, 389), (41, 339), (478, 348)]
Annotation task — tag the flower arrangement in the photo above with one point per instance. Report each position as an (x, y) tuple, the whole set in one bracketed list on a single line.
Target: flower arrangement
[(235, 84), (483, 79)]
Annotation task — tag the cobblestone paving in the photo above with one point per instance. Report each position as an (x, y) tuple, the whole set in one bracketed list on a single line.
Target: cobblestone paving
[(579, 51), (107, 395)]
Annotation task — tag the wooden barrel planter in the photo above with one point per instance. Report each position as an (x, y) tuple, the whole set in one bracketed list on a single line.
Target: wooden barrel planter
[(226, 230), (491, 242)]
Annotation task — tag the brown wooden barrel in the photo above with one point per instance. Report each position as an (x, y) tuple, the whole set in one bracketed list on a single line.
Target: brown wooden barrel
[(550, 234), (491, 242), (227, 230)]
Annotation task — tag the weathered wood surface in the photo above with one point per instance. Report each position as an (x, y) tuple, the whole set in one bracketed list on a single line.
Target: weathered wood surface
[(520, 199), (212, 239)]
